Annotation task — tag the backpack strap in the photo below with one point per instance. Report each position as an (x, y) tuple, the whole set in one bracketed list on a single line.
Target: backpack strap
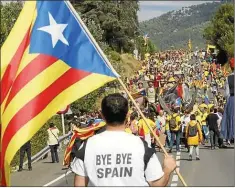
[(80, 153), (148, 153)]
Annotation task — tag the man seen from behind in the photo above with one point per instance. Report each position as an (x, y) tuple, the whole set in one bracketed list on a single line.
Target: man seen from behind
[(116, 158)]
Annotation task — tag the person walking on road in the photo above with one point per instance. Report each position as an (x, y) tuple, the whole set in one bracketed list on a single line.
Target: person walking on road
[(26, 148), (213, 121), (175, 128), (53, 142), (194, 136), (142, 126), (117, 158), (185, 120)]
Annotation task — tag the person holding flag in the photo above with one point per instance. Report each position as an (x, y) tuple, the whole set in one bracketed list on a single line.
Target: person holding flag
[(107, 160)]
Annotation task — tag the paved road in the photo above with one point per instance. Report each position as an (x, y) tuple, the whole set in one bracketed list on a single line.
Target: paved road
[(216, 168)]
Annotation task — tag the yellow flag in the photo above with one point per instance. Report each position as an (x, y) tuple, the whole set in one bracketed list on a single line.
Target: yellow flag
[(189, 44)]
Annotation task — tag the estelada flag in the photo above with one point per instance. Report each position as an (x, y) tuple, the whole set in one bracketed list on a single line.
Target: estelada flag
[(82, 134), (48, 61)]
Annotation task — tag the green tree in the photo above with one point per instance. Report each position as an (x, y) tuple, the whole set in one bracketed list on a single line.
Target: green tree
[(220, 31), (150, 47), (9, 14), (118, 20)]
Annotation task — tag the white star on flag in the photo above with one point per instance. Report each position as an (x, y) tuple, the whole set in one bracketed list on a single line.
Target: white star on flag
[(55, 30)]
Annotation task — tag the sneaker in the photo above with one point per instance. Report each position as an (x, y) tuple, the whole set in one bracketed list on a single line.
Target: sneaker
[(197, 158), (170, 151), (190, 158), (223, 146), (30, 169)]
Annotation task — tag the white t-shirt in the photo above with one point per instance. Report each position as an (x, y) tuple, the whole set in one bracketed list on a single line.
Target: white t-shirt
[(116, 158), (186, 120), (162, 119)]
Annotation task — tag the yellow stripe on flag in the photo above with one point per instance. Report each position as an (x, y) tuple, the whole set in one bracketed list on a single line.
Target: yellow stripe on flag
[(16, 35), (89, 84), (27, 58), (32, 89)]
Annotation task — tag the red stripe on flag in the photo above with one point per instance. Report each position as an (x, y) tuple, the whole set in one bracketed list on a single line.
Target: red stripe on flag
[(36, 66), (12, 68), (36, 105)]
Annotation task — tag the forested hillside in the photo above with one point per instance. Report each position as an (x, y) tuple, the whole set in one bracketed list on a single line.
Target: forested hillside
[(176, 27)]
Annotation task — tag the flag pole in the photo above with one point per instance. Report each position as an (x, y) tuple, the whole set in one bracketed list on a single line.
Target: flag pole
[(62, 122), (120, 81)]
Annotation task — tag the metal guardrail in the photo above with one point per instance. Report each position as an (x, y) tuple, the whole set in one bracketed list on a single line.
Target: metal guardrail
[(45, 150)]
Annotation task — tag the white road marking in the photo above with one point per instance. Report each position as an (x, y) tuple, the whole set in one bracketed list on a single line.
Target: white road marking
[(175, 178), (57, 179), (177, 163)]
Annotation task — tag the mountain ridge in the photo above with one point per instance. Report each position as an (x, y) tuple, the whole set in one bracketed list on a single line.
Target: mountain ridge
[(174, 28)]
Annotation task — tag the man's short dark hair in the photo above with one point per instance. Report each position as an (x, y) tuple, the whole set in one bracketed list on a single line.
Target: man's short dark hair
[(192, 117), (114, 108)]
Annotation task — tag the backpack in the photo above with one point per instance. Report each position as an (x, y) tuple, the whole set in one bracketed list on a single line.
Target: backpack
[(192, 130), (172, 123)]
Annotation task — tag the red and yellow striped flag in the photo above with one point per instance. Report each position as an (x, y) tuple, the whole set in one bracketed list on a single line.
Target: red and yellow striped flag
[(48, 61), (83, 134)]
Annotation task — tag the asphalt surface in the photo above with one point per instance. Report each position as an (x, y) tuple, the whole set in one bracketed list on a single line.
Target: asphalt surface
[(216, 168)]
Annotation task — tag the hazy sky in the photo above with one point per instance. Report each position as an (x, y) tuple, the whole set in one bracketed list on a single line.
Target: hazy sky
[(151, 9)]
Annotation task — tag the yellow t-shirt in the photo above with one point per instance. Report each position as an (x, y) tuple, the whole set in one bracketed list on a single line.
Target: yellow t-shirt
[(145, 127), (177, 120), (204, 118), (167, 122), (199, 119), (128, 130)]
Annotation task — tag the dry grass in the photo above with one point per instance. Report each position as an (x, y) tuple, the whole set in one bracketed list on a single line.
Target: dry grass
[(130, 64)]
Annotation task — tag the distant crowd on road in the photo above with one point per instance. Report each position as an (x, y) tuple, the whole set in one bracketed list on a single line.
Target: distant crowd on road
[(180, 116)]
